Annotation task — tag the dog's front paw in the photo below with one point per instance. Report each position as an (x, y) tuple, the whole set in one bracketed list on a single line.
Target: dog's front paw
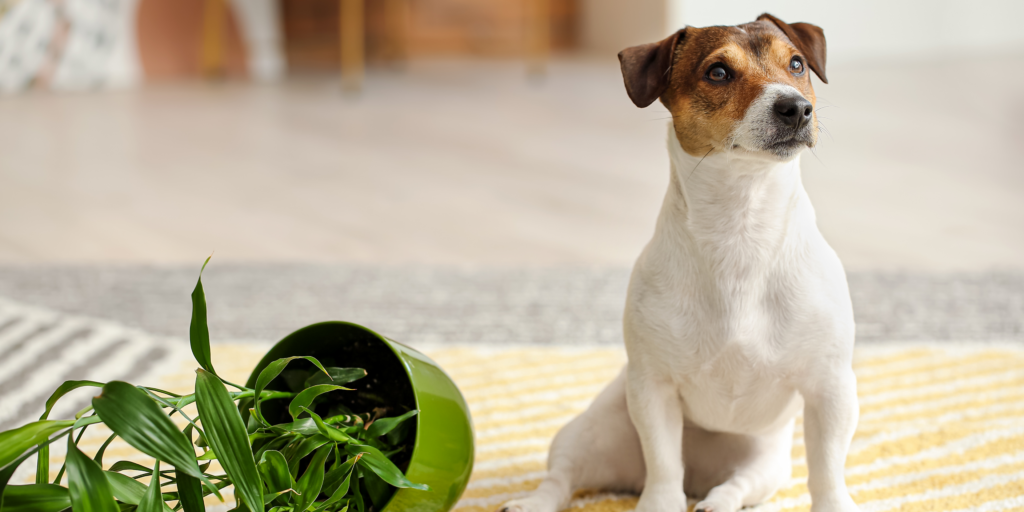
[(841, 503), (716, 505), (528, 504), (662, 499)]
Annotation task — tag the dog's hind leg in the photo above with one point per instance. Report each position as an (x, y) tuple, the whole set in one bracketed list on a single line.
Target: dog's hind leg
[(599, 449), (732, 471)]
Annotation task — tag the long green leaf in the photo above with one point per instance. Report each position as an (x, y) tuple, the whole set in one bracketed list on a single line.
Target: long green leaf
[(376, 488), (36, 498), (336, 376), (270, 373), (342, 489), (127, 465), (103, 448), (15, 442), (274, 469), (7, 472), (226, 434), (334, 434), (298, 451), (42, 465), (375, 461), (385, 425), (43, 460), (306, 397), (128, 489), (304, 426), (312, 479), (153, 500), (137, 419), (64, 389), (333, 477), (198, 331), (87, 483), (190, 492)]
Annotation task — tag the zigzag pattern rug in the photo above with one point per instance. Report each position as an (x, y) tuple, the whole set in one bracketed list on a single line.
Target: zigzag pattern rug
[(941, 426)]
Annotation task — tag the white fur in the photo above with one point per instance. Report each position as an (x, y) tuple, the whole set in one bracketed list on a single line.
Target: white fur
[(737, 316)]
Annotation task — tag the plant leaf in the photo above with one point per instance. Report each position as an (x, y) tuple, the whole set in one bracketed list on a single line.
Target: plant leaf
[(377, 488), (312, 479), (306, 397), (6, 474), (295, 452), (274, 468), (198, 331), (342, 489), (36, 498), (334, 434), (128, 489), (225, 432), (90, 491), (336, 376), (190, 492), (15, 442), (43, 461), (127, 465), (358, 496), (137, 419), (385, 425), (42, 467), (64, 389), (333, 477), (270, 497), (304, 426), (103, 448), (375, 461), (153, 500), (270, 373)]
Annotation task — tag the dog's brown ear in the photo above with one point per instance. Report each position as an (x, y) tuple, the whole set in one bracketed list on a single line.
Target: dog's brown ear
[(645, 68), (809, 39)]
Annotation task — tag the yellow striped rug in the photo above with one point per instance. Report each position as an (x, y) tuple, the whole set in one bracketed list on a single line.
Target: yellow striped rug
[(941, 426)]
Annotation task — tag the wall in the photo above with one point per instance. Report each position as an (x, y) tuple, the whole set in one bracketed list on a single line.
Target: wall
[(886, 29), (608, 26), (856, 30)]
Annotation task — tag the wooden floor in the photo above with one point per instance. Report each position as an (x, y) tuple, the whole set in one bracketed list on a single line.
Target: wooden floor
[(469, 163)]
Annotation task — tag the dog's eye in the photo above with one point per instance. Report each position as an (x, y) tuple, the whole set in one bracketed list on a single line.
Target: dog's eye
[(718, 74), (796, 66)]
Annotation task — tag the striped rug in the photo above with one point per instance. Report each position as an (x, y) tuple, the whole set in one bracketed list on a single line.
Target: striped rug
[(941, 428)]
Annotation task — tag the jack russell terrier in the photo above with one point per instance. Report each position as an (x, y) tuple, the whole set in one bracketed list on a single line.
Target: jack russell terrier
[(738, 313)]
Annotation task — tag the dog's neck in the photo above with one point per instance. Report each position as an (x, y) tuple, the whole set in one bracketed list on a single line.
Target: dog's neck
[(733, 211)]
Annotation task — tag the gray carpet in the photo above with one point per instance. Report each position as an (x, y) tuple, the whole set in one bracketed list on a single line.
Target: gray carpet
[(417, 305)]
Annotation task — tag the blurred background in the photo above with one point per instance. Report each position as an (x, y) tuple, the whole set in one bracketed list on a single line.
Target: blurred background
[(467, 171)]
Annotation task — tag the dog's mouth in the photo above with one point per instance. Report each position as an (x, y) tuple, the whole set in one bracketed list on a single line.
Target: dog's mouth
[(788, 146)]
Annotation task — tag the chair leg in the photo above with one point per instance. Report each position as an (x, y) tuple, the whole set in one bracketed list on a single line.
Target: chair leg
[(538, 36), (352, 44), (211, 59)]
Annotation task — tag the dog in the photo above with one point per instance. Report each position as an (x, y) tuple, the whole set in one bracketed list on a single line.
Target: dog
[(738, 314)]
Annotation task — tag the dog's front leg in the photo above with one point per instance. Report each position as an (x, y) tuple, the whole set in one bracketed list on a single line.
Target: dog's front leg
[(830, 419), (657, 413)]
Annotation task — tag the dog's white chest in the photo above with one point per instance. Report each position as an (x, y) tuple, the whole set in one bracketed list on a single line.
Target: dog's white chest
[(737, 391)]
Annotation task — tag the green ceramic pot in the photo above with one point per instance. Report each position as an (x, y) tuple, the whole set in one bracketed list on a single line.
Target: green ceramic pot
[(442, 454)]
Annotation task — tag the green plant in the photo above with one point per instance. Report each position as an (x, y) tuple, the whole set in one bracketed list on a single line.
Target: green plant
[(315, 454)]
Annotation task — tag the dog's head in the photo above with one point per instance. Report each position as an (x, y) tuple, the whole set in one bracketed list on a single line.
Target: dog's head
[(743, 88)]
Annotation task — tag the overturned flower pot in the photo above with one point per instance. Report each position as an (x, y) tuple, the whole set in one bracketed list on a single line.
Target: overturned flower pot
[(437, 442)]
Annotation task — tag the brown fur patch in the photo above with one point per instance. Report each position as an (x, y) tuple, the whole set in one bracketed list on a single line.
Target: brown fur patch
[(756, 54)]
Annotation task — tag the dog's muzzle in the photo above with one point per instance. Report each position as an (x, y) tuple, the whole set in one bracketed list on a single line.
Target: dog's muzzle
[(780, 122)]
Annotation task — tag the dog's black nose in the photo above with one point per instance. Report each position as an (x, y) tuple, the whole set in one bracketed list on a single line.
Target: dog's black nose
[(794, 111)]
